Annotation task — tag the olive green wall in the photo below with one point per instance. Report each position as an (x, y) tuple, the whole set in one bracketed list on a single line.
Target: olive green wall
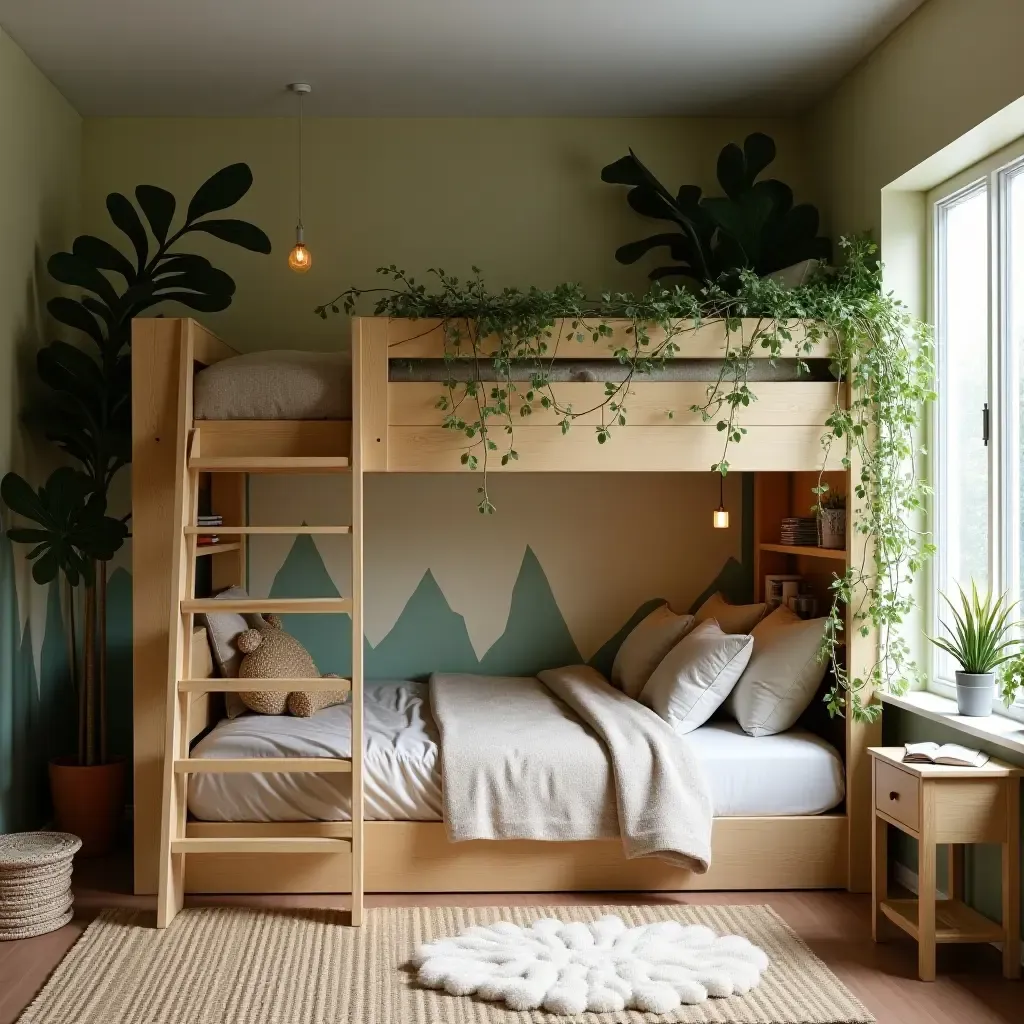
[(40, 138)]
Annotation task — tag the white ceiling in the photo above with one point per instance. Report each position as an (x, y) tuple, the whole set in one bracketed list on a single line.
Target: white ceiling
[(448, 57)]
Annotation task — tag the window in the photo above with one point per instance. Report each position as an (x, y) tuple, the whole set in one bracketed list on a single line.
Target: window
[(977, 300)]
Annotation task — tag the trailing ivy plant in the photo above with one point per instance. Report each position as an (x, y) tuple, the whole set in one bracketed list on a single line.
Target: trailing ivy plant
[(878, 350)]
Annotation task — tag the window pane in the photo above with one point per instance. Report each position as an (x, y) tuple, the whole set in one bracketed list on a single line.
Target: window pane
[(1014, 278), (963, 298)]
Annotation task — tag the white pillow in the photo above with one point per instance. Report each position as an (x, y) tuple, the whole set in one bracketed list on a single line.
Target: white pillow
[(651, 639), (783, 675), (696, 676), (733, 618)]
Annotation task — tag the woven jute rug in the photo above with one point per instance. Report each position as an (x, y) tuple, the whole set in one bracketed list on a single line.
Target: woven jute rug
[(241, 966)]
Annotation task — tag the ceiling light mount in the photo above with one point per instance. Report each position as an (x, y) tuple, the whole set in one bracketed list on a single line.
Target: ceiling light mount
[(300, 88)]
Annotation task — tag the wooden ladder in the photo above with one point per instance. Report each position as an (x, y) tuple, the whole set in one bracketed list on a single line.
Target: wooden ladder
[(175, 845)]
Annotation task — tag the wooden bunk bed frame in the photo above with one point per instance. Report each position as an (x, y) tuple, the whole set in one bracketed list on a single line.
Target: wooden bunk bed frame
[(395, 428)]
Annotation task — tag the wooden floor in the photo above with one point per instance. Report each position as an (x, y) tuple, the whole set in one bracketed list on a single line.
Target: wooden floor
[(836, 926)]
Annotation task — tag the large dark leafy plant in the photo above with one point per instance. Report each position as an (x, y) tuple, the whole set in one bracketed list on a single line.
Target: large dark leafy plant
[(87, 411), (754, 226)]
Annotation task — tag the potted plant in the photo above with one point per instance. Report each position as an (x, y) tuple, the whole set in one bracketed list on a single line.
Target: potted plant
[(87, 414), (981, 641), (831, 514)]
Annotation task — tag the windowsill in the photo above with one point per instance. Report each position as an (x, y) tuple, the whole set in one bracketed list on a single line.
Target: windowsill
[(996, 729)]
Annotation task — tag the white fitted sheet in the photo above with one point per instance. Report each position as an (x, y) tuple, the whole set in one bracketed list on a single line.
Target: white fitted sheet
[(792, 773)]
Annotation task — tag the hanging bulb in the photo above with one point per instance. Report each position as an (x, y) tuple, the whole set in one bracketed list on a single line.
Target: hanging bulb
[(299, 258), (721, 516)]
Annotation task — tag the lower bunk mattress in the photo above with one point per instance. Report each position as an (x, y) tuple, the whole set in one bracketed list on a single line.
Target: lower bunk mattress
[(793, 773)]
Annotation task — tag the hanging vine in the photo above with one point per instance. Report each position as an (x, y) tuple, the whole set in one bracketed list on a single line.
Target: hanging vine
[(500, 349)]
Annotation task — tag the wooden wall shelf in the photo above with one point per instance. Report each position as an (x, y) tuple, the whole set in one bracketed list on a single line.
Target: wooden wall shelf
[(836, 554)]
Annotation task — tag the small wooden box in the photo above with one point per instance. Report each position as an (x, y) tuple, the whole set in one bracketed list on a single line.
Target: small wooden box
[(951, 806)]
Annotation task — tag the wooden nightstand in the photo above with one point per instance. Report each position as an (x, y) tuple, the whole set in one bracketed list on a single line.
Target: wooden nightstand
[(943, 805)]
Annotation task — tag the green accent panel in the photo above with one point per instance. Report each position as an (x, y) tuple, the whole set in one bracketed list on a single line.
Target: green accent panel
[(605, 656), (427, 637), (733, 581), (536, 636), (119, 661), (328, 638)]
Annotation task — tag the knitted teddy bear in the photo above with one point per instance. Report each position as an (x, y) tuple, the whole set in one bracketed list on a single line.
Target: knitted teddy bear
[(271, 653)]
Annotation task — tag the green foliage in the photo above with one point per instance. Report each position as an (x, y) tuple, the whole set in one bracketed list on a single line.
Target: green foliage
[(754, 226), (87, 412), (881, 354), (981, 639)]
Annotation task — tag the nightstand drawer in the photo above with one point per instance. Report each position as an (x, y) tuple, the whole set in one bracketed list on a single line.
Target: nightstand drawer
[(897, 794)]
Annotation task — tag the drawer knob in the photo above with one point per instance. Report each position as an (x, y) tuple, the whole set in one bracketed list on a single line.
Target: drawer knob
[(894, 795)]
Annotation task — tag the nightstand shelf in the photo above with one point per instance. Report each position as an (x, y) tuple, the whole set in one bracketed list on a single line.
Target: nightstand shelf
[(942, 805)]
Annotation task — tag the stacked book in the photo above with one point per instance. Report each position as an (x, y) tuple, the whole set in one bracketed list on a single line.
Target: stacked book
[(35, 882), (210, 522), (800, 531)]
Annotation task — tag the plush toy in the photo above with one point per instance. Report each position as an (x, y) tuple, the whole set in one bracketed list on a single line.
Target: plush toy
[(271, 653)]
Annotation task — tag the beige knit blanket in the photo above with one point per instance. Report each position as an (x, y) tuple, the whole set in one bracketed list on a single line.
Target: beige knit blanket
[(567, 757)]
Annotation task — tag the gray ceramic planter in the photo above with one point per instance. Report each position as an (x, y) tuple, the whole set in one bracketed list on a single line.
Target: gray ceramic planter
[(975, 693)]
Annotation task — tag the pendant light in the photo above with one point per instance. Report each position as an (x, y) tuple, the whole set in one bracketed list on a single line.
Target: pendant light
[(721, 517), (299, 258)]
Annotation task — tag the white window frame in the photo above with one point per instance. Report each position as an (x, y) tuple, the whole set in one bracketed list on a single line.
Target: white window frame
[(1004, 413)]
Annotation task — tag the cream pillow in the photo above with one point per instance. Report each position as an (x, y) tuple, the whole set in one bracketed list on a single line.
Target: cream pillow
[(733, 618), (651, 639), (696, 676), (783, 675)]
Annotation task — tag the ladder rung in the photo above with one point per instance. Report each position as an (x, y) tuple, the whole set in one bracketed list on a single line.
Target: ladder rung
[(275, 464), (276, 605), (245, 531), (262, 844), (219, 765), (263, 685)]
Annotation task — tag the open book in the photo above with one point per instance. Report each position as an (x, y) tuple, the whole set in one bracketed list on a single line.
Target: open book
[(943, 753)]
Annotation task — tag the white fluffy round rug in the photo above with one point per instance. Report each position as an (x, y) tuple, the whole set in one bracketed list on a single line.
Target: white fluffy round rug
[(570, 968)]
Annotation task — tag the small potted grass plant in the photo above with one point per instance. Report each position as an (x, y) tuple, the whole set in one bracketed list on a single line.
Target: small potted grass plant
[(982, 640)]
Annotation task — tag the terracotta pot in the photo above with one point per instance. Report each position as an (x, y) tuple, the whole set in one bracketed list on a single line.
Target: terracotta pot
[(88, 802)]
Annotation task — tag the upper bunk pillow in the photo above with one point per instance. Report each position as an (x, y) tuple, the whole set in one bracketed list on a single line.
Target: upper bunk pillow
[(696, 676), (277, 385), (732, 618), (650, 640), (783, 675)]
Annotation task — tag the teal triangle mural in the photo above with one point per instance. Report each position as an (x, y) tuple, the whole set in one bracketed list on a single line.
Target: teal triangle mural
[(427, 637), (536, 636)]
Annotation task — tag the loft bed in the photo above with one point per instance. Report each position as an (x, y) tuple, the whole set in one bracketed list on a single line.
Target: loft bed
[(396, 428)]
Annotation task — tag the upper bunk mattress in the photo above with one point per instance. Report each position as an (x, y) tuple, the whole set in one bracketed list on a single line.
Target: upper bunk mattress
[(792, 773), (277, 385)]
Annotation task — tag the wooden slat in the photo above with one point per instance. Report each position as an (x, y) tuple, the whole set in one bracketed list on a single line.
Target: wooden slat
[(837, 554), (276, 437), (281, 844), (222, 765), (207, 348), (685, 449), (261, 464), (271, 605), (272, 829), (262, 685), (424, 339), (204, 550), (649, 403), (270, 531)]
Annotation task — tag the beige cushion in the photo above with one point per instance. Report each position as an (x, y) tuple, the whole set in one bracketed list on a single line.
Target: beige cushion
[(696, 676), (276, 386), (783, 675), (733, 618), (223, 630), (651, 639)]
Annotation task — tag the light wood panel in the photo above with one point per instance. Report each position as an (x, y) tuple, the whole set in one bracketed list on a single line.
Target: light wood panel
[(270, 531), (202, 685), (270, 605), (266, 464), (286, 846), (221, 765), (784, 852), (424, 339), (275, 438), (683, 449), (370, 389), (648, 403)]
